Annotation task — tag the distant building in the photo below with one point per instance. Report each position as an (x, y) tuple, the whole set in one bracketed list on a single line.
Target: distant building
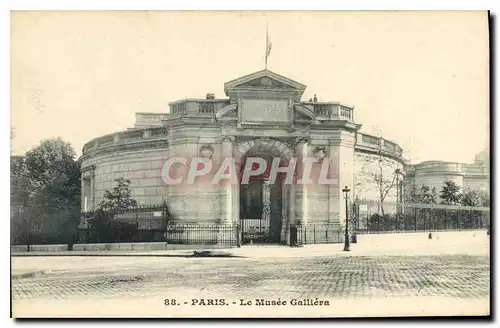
[(434, 173)]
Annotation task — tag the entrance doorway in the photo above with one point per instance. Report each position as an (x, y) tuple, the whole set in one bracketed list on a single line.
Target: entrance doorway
[(260, 212), (263, 207)]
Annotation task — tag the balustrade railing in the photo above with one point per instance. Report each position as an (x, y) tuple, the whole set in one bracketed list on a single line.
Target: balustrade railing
[(206, 107), (125, 137), (332, 111), (346, 112), (178, 109), (131, 136), (323, 110), (379, 144), (371, 140), (159, 132)]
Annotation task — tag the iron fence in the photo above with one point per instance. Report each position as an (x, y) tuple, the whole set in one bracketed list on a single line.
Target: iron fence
[(42, 226), (318, 234), (185, 234), (151, 224), (418, 217)]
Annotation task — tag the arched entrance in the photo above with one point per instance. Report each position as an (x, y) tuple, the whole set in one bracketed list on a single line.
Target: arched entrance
[(263, 204), (261, 217)]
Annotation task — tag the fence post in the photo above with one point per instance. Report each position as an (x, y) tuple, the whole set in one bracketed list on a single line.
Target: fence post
[(29, 232), (415, 211), (314, 234), (445, 223), (305, 234), (238, 242)]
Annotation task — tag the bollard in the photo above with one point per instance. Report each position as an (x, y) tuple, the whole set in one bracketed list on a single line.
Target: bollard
[(430, 235)]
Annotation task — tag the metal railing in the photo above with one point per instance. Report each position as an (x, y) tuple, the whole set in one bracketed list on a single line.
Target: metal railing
[(419, 217), (318, 234)]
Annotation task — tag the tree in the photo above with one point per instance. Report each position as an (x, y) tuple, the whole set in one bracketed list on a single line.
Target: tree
[(106, 227), (119, 199), (380, 172), (427, 195), (475, 197), (19, 192), (19, 182), (46, 184), (450, 193)]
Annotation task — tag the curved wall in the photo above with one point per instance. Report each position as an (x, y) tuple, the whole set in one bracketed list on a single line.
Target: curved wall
[(139, 155), (141, 167), (435, 173)]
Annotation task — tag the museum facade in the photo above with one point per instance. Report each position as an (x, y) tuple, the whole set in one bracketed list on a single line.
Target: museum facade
[(263, 116)]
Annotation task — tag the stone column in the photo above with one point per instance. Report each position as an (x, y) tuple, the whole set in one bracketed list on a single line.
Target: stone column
[(235, 187), (342, 156), (285, 214), (334, 201), (300, 190), (226, 186)]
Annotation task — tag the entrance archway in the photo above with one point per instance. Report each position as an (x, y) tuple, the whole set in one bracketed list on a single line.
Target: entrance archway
[(263, 206)]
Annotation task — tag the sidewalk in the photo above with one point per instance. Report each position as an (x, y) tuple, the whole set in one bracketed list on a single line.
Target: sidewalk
[(442, 243)]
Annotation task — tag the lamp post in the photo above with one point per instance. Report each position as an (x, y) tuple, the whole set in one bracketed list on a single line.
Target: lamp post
[(399, 194), (346, 191)]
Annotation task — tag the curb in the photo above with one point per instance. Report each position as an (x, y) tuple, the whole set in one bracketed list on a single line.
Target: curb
[(104, 254)]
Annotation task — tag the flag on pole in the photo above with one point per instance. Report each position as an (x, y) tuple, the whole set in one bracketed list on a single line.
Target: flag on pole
[(269, 44)]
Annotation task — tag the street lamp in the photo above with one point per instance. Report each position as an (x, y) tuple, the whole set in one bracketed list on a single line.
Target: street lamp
[(399, 194), (346, 191)]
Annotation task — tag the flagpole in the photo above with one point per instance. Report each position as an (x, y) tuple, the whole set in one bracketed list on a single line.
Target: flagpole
[(267, 42)]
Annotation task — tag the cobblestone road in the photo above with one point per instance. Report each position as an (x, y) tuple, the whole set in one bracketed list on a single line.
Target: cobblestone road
[(340, 277), (371, 281)]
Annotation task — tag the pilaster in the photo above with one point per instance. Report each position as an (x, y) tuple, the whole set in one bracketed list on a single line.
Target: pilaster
[(227, 189), (300, 190)]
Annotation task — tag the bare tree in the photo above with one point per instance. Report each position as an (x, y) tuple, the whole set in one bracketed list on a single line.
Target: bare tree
[(378, 171)]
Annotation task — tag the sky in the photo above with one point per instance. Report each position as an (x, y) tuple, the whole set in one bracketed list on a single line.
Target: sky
[(420, 79)]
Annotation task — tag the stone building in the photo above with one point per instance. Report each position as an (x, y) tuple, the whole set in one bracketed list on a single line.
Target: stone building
[(474, 175), (262, 115)]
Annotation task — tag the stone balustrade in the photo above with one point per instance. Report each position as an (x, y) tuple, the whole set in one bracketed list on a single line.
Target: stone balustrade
[(197, 107), (126, 137), (377, 144), (332, 111), (150, 119)]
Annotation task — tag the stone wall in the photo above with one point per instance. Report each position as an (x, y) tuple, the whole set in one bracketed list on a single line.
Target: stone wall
[(434, 174), (143, 169)]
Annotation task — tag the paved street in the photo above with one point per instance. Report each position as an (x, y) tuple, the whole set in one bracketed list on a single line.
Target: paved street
[(128, 286)]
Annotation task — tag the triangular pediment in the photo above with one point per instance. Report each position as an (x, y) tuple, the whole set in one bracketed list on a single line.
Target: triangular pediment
[(264, 79), (265, 82)]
